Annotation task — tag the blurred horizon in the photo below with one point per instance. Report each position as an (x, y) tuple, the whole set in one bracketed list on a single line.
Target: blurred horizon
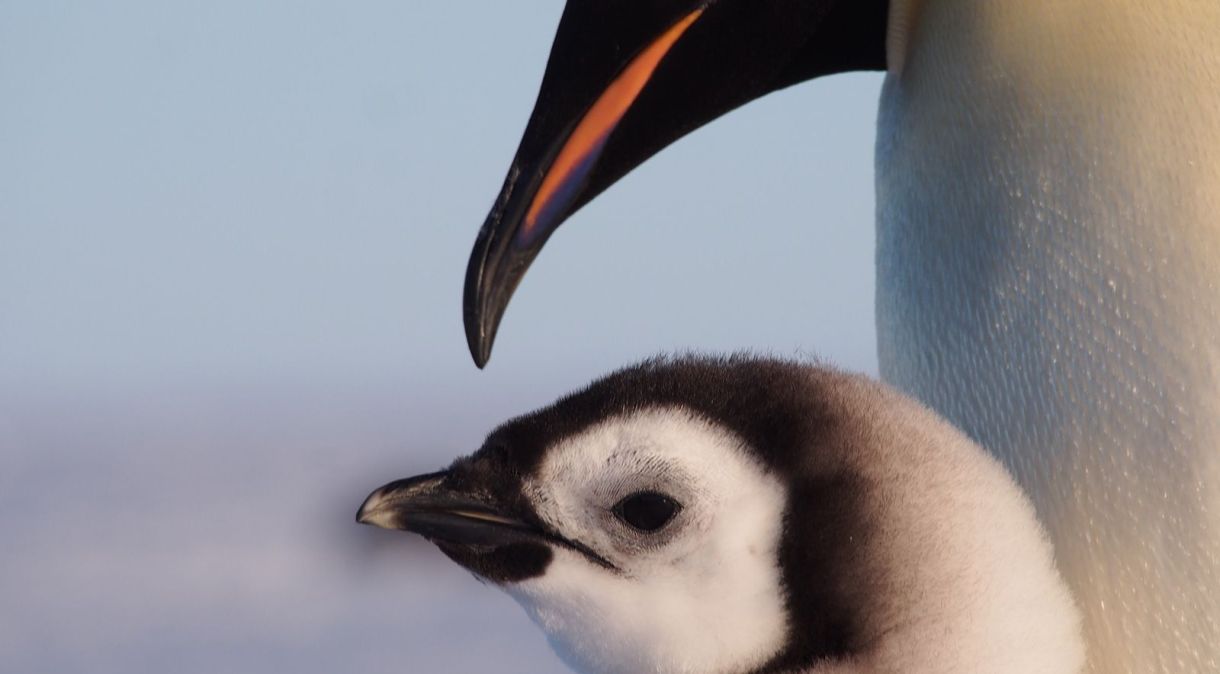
[(232, 243)]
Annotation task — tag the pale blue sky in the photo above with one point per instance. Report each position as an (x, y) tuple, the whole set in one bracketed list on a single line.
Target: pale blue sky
[(232, 243)]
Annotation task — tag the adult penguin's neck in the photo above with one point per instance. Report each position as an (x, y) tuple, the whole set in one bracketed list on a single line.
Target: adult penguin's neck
[(1048, 177)]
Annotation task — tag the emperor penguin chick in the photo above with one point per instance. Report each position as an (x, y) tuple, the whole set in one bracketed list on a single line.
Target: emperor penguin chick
[(745, 515)]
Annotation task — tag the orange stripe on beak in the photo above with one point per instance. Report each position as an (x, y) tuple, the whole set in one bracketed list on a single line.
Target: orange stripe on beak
[(590, 134)]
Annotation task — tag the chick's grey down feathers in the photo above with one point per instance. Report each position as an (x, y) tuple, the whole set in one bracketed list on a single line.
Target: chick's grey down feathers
[(900, 545)]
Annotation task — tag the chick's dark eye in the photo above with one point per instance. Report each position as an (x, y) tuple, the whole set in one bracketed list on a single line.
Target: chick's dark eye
[(647, 510)]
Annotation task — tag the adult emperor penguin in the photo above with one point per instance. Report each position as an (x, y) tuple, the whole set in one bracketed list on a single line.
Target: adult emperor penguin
[(729, 516), (1048, 262)]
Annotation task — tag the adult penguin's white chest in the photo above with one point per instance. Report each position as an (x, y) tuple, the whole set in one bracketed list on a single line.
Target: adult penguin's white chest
[(1048, 176)]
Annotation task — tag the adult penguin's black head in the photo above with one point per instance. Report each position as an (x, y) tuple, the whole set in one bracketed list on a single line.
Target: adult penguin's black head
[(627, 78)]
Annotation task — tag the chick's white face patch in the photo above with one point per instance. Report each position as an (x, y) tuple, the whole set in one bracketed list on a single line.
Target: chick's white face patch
[(700, 594)]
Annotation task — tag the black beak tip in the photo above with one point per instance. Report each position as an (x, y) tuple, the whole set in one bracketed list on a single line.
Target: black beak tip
[(481, 320), (474, 308), (480, 346), (362, 513), (368, 510)]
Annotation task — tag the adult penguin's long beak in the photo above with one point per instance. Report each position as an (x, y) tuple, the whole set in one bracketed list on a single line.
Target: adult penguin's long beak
[(535, 200), (624, 80)]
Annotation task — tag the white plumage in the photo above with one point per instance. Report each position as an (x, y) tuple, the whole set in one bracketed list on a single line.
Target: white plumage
[(1049, 280)]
